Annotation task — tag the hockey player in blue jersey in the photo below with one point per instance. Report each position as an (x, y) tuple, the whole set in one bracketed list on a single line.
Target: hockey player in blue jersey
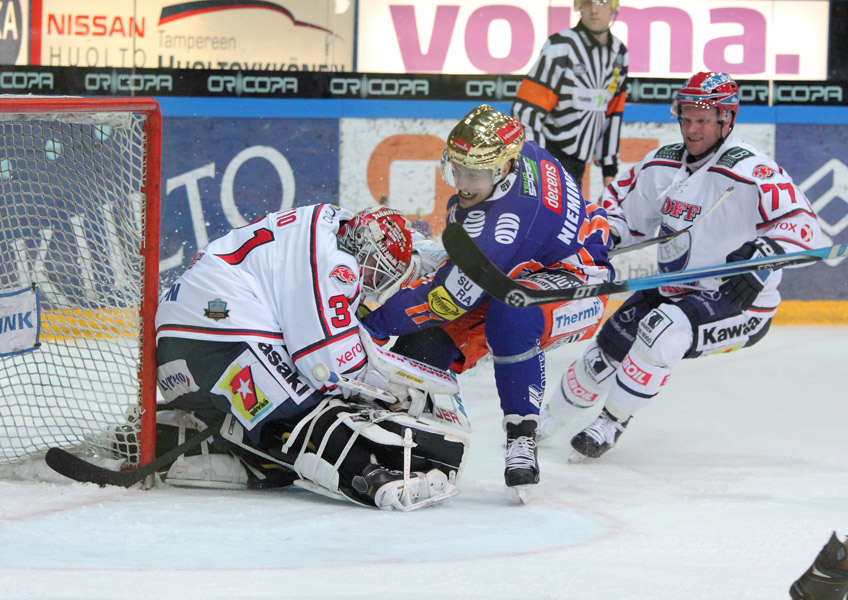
[(530, 219)]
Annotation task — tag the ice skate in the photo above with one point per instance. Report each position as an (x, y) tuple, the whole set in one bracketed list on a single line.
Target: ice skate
[(827, 577), (597, 438), (522, 464)]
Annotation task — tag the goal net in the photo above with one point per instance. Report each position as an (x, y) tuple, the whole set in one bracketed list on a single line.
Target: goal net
[(79, 235)]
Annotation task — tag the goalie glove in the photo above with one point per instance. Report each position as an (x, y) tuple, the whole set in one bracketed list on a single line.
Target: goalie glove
[(375, 378), (742, 289)]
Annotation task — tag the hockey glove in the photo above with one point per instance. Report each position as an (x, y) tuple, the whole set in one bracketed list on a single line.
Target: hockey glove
[(742, 289)]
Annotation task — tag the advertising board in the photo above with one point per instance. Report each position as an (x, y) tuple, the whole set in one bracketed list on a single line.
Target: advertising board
[(815, 157), (221, 34), (221, 173), (759, 39)]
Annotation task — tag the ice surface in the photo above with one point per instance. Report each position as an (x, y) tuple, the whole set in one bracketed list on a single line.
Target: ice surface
[(725, 487)]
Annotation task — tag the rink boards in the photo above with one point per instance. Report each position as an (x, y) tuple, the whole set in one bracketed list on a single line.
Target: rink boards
[(228, 161)]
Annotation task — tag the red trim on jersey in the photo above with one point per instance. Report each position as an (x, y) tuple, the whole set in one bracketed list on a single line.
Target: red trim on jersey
[(661, 163), (323, 343), (731, 175), (791, 241), (768, 223), (357, 366), (228, 332), (761, 310), (316, 276)]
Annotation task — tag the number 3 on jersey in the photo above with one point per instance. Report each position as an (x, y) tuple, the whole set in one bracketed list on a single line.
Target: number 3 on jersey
[(341, 306)]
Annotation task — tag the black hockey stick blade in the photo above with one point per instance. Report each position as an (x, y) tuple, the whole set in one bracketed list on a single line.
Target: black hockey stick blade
[(470, 259), (78, 469), (661, 239)]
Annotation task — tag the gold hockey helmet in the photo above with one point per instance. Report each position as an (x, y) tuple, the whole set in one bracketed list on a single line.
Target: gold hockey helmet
[(484, 139)]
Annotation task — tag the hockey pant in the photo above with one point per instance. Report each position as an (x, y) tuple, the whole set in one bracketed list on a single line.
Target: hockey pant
[(633, 355)]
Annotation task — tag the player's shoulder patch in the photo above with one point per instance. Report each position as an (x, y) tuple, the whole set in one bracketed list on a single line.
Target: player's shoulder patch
[(671, 152), (530, 178), (762, 171), (733, 156)]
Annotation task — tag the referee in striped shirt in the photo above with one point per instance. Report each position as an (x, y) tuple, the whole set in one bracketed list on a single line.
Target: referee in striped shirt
[(571, 101)]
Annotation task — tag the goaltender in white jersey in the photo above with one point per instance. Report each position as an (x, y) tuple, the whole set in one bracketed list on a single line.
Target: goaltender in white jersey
[(748, 207), (256, 337)]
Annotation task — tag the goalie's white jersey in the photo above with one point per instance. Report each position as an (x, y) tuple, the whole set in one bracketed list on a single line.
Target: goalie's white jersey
[(283, 279), (660, 195)]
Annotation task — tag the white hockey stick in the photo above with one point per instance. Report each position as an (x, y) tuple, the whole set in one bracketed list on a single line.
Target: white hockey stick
[(670, 236), (322, 373), (444, 406)]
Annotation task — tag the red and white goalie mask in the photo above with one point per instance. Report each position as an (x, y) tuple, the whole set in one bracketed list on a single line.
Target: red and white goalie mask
[(381, 240)]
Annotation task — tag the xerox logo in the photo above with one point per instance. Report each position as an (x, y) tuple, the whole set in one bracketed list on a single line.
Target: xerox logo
[(11, 31)]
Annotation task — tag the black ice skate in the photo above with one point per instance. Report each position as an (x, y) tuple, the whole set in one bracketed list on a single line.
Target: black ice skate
[(522, 464), (827, 578), (598, 437)]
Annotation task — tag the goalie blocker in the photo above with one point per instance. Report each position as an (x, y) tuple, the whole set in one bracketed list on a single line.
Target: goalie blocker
[(278, 429)]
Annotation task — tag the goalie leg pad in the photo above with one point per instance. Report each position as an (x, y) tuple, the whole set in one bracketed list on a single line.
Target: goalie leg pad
[(347, 444), (205, 467)]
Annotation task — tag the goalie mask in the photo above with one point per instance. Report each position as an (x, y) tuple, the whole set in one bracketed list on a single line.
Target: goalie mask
[(381, 240), (709, 90), (484, 144)]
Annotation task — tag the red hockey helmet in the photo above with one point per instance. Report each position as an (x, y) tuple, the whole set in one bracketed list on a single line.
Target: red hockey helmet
[(709, 90), (381, 240)]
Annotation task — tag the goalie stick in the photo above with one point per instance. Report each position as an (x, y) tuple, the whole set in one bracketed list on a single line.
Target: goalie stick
[(470, 259), (78, 469), (450, 410), (661, 239)]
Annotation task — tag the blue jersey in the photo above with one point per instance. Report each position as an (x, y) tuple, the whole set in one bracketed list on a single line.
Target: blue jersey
[(535, 219)]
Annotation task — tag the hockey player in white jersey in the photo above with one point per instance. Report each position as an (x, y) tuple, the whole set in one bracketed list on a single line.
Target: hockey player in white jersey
[(765, 213), (254, 338)]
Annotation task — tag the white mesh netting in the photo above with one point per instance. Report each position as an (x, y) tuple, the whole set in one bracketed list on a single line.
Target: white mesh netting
[(71, 219)]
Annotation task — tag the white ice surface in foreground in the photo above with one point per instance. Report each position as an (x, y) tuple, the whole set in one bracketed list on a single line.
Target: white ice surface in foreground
[(726, 486)]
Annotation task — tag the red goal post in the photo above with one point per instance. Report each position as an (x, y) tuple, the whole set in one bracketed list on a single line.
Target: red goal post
[(79, 235)]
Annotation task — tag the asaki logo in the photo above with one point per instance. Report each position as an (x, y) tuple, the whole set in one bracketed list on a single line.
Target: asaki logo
[(763, 172), (343, 274)]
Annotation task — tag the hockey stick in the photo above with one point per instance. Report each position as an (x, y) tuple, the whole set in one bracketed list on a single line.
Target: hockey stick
[(444, 406), (78, 469), (670, 236), (470, 259), (322, 373)]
